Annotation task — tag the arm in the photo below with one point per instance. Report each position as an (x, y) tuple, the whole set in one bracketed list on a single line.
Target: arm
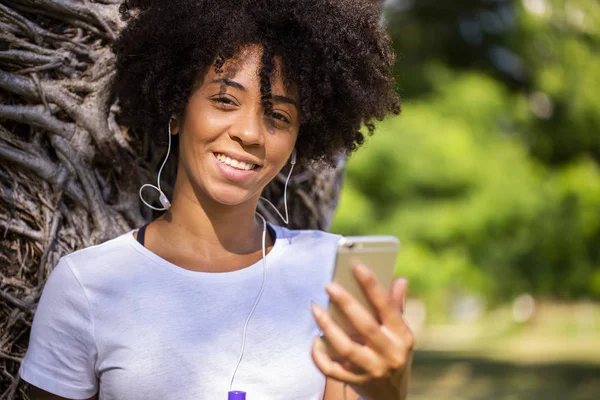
[(61, 354), (334, 390)]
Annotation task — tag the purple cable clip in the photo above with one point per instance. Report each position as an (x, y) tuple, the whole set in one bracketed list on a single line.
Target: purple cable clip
[(236, 395)]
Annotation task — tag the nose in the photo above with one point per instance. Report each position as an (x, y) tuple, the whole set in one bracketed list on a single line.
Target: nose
[(248, 130)]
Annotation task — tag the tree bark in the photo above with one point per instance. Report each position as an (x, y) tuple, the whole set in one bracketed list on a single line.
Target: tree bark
[(69, 174)]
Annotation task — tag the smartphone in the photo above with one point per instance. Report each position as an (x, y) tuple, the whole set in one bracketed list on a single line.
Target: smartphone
[(377, 253)]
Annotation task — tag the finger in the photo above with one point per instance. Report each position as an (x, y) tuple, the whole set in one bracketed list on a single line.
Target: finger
[(361, 356), (398, 293), (362, 320), (380, 298), (404, 338), (331, 368)]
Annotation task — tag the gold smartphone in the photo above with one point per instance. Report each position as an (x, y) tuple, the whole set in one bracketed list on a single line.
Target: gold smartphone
[(376, 252)]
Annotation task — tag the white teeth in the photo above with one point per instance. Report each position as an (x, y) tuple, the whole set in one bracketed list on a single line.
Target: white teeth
[(234, 163)]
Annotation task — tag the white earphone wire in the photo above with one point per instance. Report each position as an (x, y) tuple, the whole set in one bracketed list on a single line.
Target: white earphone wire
[(262, 289), (162, 197), (287, 217), (264, 259)]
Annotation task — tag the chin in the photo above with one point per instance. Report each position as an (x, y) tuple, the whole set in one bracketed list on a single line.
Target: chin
[(230, 196)]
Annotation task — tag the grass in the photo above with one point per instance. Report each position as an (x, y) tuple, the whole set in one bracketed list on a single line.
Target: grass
[(449, 376), (554, 355)]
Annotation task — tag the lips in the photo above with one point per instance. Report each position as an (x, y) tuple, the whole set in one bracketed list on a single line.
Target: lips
[(234, 174)]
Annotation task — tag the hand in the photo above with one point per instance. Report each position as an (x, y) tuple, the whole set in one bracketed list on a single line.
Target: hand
[(377, 367)]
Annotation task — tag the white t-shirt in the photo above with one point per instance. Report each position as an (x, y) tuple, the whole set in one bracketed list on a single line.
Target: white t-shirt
[(119, 318)]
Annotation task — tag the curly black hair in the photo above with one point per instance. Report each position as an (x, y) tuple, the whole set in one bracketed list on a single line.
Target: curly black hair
[(334, 51)]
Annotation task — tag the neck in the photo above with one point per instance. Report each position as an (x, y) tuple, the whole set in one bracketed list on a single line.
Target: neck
[(211, 227)]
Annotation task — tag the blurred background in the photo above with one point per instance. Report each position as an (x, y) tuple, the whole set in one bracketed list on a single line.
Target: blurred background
[(490, 178)]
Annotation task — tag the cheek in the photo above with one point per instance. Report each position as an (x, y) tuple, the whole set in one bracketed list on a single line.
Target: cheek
[(214, 123), (204, 125), (280, 151), (201, 130)]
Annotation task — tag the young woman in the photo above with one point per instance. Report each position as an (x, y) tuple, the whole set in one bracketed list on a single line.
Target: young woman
[(209, 298)]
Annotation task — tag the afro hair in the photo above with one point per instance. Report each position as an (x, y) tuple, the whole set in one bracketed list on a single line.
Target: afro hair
[(334, 51)]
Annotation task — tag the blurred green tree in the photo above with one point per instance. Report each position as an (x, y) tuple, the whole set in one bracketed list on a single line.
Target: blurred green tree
[(546, 49), (490, 177)]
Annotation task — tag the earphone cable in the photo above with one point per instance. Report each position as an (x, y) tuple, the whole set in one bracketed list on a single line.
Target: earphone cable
[(286, 219), (163, 198), (262, 288)]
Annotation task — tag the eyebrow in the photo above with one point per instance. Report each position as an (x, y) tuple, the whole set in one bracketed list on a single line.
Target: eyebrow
[(231, 83), (234, 84), (283, 99)]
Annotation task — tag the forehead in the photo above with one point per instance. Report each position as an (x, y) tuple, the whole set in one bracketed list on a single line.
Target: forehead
[(244, 68)]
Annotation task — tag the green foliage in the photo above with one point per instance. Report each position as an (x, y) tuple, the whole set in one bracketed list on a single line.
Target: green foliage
[(490, 177), (559, 42), (475, 212)]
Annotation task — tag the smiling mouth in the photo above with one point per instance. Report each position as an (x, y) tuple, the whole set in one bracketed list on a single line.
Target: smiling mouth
[(241, 165)]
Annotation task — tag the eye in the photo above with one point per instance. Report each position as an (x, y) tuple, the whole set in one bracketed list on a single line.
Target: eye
[(224, 101), (280, 117)]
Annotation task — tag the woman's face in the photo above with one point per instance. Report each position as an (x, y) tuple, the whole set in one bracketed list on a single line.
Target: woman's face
[(229, 148)]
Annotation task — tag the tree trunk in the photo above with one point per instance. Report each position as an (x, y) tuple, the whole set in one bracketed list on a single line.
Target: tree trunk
[(69, 174)]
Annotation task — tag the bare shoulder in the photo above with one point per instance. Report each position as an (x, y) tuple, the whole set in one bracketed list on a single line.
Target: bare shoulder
[(35, 393)]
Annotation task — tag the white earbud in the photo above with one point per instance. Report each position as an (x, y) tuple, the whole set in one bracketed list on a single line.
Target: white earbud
[(162, 197)]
